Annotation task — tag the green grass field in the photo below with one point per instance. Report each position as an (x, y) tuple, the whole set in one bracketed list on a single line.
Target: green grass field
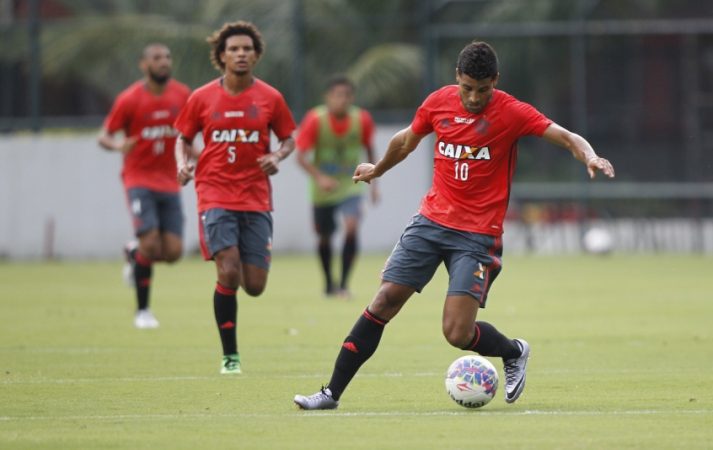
[(622, 357)]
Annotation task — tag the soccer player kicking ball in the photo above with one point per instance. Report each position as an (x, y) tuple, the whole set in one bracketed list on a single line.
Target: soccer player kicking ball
[(235, 114), (460, 220), (145, 112)]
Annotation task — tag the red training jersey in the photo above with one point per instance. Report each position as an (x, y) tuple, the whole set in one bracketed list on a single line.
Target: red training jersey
[(137, 112), (474, 157), (236, 132), (309, 129)]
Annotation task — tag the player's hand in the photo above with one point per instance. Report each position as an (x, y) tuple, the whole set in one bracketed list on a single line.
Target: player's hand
[(364, 172), (600, 164), (128, 144), (269, 163), (325, 183), (185, 173)]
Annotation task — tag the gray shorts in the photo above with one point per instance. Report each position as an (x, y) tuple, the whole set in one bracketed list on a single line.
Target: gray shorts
[(153, 210), (473, 260), (249, 231), (325, 216)]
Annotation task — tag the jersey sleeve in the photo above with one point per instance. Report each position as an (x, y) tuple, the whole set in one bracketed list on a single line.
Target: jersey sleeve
[(530, 120), (283, 124), (119, 116), (422, 123), (308, 132), (367, 129), (188, 121)]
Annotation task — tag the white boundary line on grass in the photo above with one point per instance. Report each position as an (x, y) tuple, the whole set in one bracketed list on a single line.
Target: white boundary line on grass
[(201, 378), (337, 414)]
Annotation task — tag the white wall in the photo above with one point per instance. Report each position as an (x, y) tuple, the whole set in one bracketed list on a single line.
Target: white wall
[(68, 181)]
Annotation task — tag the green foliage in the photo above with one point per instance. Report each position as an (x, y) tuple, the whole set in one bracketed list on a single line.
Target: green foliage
[(621, 358)]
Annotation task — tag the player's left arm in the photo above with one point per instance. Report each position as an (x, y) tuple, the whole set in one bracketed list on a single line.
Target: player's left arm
[(270, 162), (580, 149), (368, 141)]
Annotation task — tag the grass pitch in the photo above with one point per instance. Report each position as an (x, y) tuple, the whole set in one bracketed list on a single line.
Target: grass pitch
[(622, 357)]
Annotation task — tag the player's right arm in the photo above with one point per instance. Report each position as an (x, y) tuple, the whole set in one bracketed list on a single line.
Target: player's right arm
[(184, 152), (109, 142), (400, 146), (306, 142)]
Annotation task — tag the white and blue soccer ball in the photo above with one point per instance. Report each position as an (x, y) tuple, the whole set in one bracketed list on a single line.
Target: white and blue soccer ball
[(471, 381)]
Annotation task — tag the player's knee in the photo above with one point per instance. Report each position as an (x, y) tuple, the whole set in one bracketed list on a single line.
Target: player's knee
[(172, 257), (229, 276), (152, 251), (172, 254), (456, 335), (253, 288)]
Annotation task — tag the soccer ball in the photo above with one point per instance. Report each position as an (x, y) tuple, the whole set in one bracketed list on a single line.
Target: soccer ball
[(598, 241), (471, 381)]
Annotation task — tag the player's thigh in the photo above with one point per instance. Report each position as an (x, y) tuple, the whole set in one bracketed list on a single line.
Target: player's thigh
[(170, 214), (351, 212), (255, 244), (473, 268), (171, 246), (143, 210), (228, 267), (219, 230), (415, 258), (324, 217), (459, 313), (389, 299)]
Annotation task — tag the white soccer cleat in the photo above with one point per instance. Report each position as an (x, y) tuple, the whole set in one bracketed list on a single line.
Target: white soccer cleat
[(515, 372), (321, 400), (144, 320)]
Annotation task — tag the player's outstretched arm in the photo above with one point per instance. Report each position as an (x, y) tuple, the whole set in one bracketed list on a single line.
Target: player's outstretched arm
[(184, 167), (580, 149), (400, 146)]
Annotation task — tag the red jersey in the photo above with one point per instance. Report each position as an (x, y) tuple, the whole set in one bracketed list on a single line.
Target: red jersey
[(236, 132), (474, 157), (151, 163), (309, 129)]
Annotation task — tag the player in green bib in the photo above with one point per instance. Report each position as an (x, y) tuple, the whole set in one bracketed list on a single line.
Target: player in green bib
[(332, 140)]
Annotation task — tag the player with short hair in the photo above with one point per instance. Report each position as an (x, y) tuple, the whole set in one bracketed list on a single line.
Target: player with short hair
[(235, 114), (330, 143), (460, 220), (145, 113)]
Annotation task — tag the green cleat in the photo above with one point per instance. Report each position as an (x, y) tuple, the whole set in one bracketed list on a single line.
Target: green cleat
[(231, 365)]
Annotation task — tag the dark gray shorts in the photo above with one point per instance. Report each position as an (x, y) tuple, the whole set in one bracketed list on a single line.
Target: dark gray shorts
[(153, 210), (249, 231), (473, 260), (325, 217)]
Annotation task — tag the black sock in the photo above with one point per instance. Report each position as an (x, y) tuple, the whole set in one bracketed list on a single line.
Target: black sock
[(348, 255), (225, 306), (324, 249), (488, 341), (356, 349), (142, 279)]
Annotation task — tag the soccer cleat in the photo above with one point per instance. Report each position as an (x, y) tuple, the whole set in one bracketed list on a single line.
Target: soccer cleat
[(515, 372), (128, 271), (144, 319), (231, 365), (321, 400)]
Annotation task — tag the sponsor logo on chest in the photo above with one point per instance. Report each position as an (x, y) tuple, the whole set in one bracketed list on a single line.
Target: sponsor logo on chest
[(459, 151), (236, 135), (158, 132)]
